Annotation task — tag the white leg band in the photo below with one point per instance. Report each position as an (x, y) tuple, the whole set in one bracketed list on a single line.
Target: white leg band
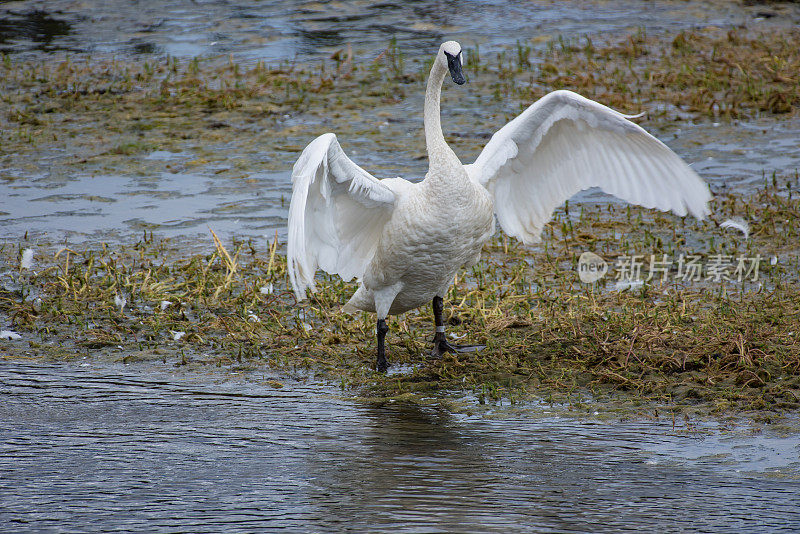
[(440, 329)]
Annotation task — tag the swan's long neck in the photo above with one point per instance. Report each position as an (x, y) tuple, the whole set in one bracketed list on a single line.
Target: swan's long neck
[(439, 153)]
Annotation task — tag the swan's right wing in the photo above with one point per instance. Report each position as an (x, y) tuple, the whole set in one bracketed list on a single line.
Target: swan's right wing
[(336, 216), (565, 143)]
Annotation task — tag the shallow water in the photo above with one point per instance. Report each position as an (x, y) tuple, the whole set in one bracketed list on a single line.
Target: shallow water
[(90, 448), (172, 204), (301, 30)]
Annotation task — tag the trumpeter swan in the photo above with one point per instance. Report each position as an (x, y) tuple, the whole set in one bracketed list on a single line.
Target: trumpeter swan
[(405, 241)]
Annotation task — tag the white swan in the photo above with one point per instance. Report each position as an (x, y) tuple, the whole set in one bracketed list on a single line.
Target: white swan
[(405, 241)]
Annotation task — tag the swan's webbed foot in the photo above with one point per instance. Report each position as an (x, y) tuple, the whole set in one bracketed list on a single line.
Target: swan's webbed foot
[(381, 365), (440, 343)]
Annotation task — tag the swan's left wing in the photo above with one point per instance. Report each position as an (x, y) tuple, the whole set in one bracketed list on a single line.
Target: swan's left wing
[(336, 216), (565, 143)]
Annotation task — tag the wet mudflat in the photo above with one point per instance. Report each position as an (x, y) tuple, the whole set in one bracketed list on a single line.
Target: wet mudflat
[(87, 447)]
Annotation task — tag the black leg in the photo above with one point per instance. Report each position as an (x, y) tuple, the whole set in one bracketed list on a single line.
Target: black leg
[(440, 344), (438, 308), (382, 365)]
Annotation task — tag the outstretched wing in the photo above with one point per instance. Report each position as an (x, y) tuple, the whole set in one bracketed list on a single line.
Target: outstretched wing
[(336, 216), (565, 143)]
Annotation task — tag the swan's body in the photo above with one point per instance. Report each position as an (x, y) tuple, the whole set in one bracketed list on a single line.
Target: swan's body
[(420, 249), (405, 241)]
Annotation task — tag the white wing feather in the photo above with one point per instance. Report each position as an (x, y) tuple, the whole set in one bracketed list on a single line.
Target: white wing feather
[(565, 143), (336, 215)]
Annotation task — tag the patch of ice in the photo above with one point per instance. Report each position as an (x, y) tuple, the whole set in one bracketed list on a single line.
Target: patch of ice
[(267, 289), (177, 335), (26, 262), (623, 285), (161, 155)]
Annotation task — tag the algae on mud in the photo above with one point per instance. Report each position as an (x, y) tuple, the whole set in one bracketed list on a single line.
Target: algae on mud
[(711, 346)]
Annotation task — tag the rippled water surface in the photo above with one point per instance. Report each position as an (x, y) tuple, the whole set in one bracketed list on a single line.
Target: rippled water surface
[(94, 448), (298, 29)]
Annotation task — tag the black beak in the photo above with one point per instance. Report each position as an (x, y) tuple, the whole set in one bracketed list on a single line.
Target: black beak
[(454, 64)]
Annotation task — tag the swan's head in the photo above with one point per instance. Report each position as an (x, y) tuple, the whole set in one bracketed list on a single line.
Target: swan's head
[(450, 56)]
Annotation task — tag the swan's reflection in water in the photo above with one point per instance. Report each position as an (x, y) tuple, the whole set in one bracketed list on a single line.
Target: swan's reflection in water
[(408, 466), (419, 468)]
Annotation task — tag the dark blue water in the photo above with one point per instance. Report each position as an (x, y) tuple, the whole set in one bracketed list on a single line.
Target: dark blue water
[(143, 448)]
